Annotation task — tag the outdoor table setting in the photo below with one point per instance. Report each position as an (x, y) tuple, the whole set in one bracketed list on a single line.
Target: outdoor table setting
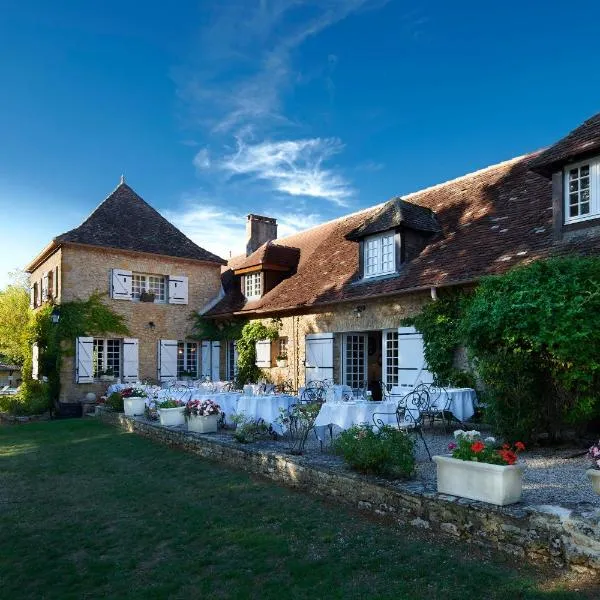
[(266, 407), (460, 402)]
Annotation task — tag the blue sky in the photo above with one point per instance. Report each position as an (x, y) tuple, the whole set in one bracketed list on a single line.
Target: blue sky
[(299, 109)]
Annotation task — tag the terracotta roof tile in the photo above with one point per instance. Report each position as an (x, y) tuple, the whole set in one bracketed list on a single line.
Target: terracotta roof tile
[(125, 221), (271, 254)]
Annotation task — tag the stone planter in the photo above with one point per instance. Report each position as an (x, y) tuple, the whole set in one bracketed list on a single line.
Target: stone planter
[(203, 424), (594, 475), (496, 484), (134, 406), (172, 416), (282, 363)]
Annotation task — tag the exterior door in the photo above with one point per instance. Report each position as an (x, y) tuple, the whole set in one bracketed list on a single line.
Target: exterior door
[(318, 364), (354, 360), (412, 368)]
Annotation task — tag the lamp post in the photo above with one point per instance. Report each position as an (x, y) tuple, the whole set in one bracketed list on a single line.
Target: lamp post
[(55, 315)]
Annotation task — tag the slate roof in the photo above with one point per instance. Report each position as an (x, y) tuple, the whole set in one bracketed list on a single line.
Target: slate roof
[(271, 254), (582, 141), (125, 221), (490, 221), (394, 213)]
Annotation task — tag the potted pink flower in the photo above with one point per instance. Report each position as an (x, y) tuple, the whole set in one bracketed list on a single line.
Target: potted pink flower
[(202, 416), (594, 472)]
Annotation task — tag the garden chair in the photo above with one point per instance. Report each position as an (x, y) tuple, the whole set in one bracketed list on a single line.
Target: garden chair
[(439, 405), (385, 392), (410, 414)]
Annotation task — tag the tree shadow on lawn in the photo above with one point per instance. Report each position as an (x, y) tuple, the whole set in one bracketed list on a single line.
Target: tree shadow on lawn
[(95, 512)]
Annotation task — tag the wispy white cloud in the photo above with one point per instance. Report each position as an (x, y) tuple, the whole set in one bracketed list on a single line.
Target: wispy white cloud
[(223, 231), (294, 167), (202, 159)]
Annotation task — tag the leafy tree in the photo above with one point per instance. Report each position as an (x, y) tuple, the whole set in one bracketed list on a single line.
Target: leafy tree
[(15, 317)]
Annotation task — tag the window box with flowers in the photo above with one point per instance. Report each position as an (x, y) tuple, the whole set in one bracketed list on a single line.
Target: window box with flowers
[(134, 401), (594, 472), (202, 416), (171, 412), (107, 375), (282, 360), (481, 469)]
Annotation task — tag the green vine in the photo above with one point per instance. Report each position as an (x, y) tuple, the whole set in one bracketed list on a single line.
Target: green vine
[(211, 329), (78, 318), (440, 324), (246, 348)]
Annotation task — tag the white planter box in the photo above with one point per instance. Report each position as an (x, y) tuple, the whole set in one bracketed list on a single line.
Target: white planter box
[(282, 363), (203, 424), (134, 406), (107, 378), (172, 416), (594, 475), (495, 484)]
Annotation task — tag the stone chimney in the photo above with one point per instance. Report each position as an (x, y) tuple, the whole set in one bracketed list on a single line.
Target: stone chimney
[(258, 231)]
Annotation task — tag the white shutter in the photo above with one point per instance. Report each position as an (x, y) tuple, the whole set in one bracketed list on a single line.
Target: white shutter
[(130, 360), (45, 287), (84, 369), (121, 284), (205, 371), (412, 368), (318, 363), (178, 290), (32, 297), (215, 361), (263, 354), (167, 359), (35, 361)]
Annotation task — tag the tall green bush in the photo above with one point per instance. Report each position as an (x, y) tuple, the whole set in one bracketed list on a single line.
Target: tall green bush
[(246, 348)]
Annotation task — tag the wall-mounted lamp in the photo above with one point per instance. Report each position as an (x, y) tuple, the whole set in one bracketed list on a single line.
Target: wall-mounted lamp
[(55, 316), (151, 325), (358, 310)]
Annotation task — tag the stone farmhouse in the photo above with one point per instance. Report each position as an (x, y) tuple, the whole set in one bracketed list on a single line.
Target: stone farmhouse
[(340, 290)]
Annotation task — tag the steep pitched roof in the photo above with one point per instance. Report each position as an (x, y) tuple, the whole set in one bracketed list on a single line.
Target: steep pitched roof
[(490, 221), (125, 221), (271, 254), (582, 141), (394, 213)]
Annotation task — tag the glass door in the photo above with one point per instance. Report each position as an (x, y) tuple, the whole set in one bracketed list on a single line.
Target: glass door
[(354, 360)]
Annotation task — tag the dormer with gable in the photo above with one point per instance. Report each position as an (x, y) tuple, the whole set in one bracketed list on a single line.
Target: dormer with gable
[(391, 237), (573, 165)]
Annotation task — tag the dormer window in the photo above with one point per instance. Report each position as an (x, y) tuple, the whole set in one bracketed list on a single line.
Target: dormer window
[(379, 255), (582, 198), (253, 285)]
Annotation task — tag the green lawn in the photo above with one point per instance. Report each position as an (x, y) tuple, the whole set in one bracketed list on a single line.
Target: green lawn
[(87, 511)]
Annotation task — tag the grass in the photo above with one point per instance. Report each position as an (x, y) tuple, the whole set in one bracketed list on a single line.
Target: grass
[(87, 511)]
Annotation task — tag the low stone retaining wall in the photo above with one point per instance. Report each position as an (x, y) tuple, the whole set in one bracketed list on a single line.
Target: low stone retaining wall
[(565, 537), (8, 418)]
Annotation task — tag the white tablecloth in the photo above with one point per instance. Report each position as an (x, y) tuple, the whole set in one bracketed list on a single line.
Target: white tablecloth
[(461, 401), (346, 414), (265, 407), (117, 387)]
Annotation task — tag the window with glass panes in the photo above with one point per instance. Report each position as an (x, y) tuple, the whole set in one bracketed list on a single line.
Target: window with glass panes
[(106, 355), (282, 346), (379, 255), (355, 360), (231, 360), (187, 358), (582, 199), (153, 284), (253, 285), (390, 354)]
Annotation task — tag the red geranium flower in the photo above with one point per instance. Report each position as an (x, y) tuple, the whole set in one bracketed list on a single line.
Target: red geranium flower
[(520, 446), (508, 456), (505, 446), (477, 446)]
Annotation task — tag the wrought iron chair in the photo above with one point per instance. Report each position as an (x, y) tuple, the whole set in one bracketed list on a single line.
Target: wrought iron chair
[(360, 391), (385, 392), (410, 414), (439, 404)]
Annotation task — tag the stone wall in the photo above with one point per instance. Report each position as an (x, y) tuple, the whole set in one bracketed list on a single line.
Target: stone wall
[(379, 314), (86, 270), (53, 262), (557, 535)]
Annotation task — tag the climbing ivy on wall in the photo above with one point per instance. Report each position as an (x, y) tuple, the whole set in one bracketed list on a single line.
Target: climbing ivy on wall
[(211, 329), (246, 348), (89, 317)]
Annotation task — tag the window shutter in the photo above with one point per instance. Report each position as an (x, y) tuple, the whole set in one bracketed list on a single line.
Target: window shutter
[(121, 284), (412, 368), (45, 287), (263, 354), (130, 360), (32, 296), (167, 359), (84, 370), (56, 287), (178, 290), (206, 371), (215, 375), (35, 361)]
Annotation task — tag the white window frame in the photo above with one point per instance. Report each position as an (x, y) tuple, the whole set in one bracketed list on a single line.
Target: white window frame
[(594, 187), (186, 358), (231, 365), (253, 285), (373, 252), (351, 372), (100, 361), (142, 281), (390, 345)]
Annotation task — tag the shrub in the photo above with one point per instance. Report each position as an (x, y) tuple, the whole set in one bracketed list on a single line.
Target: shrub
[(115, 402), (33, 398), (250, 430), (387, 452)]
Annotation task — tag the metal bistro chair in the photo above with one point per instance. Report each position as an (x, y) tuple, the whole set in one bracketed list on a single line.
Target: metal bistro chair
[(410, 414), (385, 392), (439, 404), (316, 392), (360, 391)]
